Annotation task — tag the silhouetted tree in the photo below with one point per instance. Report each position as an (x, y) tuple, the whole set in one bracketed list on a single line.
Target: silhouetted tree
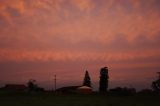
[(156, 84), (103, 84), (32, 85), (87, 80)]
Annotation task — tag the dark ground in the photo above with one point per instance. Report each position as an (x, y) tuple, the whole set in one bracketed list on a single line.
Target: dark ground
[(48, 99)]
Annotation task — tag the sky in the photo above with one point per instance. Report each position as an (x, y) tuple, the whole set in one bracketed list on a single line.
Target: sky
[(41, 38)]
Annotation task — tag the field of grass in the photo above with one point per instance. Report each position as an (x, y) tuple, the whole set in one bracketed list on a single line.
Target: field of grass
[(25, 99)]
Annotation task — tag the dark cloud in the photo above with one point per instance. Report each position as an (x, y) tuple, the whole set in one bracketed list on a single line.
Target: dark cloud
[(13, 12)]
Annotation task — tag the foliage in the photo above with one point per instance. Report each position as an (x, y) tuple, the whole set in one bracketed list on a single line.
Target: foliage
[(156, 85), (32, 85), (87, 80), (122, 91), (103, 84)]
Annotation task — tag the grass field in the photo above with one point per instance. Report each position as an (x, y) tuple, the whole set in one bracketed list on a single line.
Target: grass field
[(12, 99)]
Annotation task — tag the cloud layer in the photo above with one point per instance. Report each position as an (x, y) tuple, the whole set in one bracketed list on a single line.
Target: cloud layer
[(123, 34)]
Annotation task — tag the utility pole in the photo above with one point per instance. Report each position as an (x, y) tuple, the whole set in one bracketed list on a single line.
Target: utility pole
[(55, 82)]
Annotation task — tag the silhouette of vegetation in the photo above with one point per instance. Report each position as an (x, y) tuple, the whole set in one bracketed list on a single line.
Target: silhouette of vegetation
[(145, 92), (79, 95), (122, 91), (156, 84), (32, 86), (87, 80), (103, 84)]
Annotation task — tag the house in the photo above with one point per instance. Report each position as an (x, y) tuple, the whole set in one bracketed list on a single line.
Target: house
[(68, 89), (75, 89), (84, 90), (15, 87)]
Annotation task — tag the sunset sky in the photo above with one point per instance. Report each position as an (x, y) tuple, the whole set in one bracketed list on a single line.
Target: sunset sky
[(41, 38)]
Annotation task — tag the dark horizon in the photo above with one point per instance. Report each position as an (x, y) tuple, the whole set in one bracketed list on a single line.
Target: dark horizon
[(50, 84)]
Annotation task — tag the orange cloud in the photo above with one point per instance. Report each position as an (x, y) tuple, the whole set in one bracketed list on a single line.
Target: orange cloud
[(25, 55), (84, 5), (120, 33)]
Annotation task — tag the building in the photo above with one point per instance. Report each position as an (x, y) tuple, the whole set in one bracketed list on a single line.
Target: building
[(84, 90), (15, 87), (75, 89), (68, 89)]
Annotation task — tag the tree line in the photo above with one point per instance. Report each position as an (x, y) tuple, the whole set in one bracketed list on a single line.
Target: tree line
[(103, 85), (104, 80)]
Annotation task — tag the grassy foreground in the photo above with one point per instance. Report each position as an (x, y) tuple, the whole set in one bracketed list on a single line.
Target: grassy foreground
[(16, 99)]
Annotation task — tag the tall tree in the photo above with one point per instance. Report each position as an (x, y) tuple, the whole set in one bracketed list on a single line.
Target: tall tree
[(87, 80), (103, 84)]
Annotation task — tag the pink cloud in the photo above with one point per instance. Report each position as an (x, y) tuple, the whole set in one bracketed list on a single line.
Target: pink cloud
[(122, 34)]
